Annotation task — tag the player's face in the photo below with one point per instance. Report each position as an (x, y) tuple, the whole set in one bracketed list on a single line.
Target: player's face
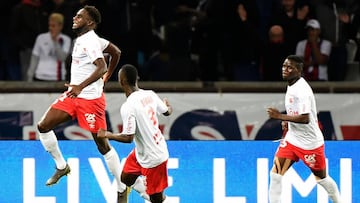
[(289, 70), (121, 78), (81, 21)]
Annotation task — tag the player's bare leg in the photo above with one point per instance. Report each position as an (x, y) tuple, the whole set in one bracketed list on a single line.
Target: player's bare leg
[(52, 118), (281, 165)]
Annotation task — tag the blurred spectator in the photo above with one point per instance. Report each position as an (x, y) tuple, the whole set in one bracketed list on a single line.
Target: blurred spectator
[(111, 11), (336, 18), (27, 21), (244, 42), (10, 68), (177, 43), (137, 42), (207, 37), (315, 51), (274, 54), (356, 33), (355, 30), (68, 10), (291, 15), (265, 9), (50, 52), (158, 68), (193, 40)]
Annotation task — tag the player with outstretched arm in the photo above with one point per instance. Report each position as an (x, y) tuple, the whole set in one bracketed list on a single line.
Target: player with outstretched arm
[(141, 124)]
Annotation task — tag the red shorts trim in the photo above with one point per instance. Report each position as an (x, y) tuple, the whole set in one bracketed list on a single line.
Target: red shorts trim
[(89, 113), (314, 159), (155, 179)]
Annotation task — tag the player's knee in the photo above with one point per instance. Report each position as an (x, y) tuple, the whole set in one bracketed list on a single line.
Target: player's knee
[(127, 183), (157, 198), (42, 128), (276, 168), (102, 145), (102, 150), (128, 180), (319, 174)]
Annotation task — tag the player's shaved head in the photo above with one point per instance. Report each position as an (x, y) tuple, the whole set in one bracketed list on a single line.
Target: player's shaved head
[(93, 13), (130, 73), (298, 61)]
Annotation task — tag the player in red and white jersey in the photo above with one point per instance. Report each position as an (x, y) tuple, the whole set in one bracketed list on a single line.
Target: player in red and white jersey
[(300, 100), (87, 48), (141, 124), (84, 99), (304, 139), (151, 149)]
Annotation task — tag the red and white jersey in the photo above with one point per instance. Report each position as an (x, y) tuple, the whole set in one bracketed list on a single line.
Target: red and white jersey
[(325, 48), (299, 99), (87, 48), (140, 117)]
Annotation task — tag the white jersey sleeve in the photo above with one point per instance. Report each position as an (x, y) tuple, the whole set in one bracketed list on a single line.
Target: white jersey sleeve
[(161, 107), (104, 43), (36, 49), (129, 120)]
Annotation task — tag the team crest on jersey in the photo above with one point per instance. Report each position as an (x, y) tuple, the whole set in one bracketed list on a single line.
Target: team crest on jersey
[(291, 100), (90, 118), (310, 159)]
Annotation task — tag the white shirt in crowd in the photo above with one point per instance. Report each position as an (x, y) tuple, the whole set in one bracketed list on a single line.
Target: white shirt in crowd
[(325, 48), (46, 63), (139, 115), (299, 99), (87, 48)]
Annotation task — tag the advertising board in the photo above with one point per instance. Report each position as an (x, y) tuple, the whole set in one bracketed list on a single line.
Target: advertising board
[(199, 171)]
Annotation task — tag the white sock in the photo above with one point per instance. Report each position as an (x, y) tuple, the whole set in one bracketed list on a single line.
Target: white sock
[(331, 188), (50, 143), (275, 187), (140, 187), (113, 163)]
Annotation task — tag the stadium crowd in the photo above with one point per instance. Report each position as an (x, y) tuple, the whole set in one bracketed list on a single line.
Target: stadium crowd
[(203, 40)]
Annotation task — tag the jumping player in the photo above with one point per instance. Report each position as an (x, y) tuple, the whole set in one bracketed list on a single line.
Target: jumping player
[(84, 98)]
